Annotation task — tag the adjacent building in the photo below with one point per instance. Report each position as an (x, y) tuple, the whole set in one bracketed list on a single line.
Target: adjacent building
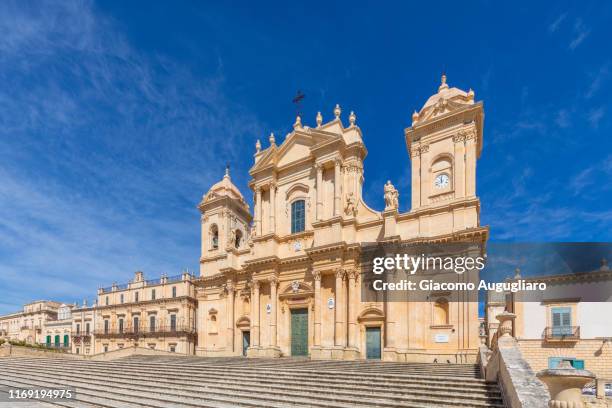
[(564, 325), (156, 313), (27, 325)]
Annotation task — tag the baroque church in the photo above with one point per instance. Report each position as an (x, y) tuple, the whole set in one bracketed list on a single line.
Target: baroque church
[(286, 279)]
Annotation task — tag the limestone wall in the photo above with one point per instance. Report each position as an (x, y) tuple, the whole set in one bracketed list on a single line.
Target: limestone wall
[(597, 356)]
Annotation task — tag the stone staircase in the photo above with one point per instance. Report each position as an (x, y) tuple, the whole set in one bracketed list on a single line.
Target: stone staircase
[(160, 382)]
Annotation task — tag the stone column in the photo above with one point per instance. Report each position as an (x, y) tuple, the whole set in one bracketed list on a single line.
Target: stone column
[(352, 275), (255, 314), (317, 308), (272, 207), (337, 181), (258, 230), (470, 163), (273, 317), (230, 315), (319, 168), (340, 338)]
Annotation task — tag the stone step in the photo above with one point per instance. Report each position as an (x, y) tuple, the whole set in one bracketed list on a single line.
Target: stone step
[(225, 378), (397, 393), (101, 395), (381, 400), (399, 380)]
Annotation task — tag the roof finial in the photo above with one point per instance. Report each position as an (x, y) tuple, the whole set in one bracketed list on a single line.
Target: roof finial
[(257, 146), (337, 111), (415, 116), (352, 118), (298, 122), (227, 167), (272, 140), (517, 273), (319, 119), (443, 84)]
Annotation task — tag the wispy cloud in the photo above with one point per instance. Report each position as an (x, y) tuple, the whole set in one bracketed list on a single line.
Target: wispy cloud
[(103, 153), (562, 120), (581, 32), (595, 116), (554, 26), (598, 79)]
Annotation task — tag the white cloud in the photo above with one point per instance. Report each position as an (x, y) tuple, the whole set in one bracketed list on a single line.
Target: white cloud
[(598, 79), (581, 32), (595, 115), (106, 151), (554, 26)]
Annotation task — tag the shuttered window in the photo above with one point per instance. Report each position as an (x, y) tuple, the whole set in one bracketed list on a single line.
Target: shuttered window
[(298, 216), (562, 321)]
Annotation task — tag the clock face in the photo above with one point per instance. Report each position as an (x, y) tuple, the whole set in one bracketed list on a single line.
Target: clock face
[(442, 181)]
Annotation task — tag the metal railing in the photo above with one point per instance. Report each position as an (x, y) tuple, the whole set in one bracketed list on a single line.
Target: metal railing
[(146, 331), (563, 333)]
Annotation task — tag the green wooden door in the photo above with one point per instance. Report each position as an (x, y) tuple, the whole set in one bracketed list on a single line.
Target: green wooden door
[(299, 332), (373, 343), (246, 341)]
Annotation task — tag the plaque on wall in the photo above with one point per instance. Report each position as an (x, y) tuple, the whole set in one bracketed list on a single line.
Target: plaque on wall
[(441, 338), (331, 303)]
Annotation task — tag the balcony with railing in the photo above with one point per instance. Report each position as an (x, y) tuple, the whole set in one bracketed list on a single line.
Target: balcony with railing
[(80, 336), (58, 346), (177, 330), (561, 333)]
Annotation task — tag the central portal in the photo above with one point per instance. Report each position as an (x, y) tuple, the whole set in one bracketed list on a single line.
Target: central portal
[(299, 332)]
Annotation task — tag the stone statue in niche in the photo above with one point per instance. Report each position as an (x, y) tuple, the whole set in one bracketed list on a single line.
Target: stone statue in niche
[(351, 205), (391, 196)]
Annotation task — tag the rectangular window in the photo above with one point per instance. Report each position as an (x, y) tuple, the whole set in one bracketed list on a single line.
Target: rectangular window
[(152, 323), (172, 349), (121, 298), (136, 324), (173, 322), (106, 349), (298, 216), (78, 328), (77, 350), (553, 362), (174, 291), (87, 328), (152, 294), (136, 297), (120, 325), (561, 321), (106, 327), (107, 301)]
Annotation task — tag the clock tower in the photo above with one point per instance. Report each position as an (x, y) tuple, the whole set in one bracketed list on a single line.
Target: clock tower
[(444, 143)]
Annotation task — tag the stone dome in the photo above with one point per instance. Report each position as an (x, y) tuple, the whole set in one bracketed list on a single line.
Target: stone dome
[(224, 188)]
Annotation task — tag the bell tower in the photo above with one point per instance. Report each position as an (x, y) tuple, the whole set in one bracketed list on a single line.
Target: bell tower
[(225, 223), (444, 143)]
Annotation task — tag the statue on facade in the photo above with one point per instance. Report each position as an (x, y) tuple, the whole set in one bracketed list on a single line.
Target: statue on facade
[(231, 240), (391, 196), (351, 205)]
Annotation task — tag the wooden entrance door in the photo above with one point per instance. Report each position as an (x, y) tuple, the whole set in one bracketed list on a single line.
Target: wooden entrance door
[(299, 332), (246, 341), (373, 343)]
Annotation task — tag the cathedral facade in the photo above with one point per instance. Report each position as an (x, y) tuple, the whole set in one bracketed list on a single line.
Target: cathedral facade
[(285, 279)]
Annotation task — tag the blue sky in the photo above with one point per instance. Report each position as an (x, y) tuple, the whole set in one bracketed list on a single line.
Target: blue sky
[(115, 118)]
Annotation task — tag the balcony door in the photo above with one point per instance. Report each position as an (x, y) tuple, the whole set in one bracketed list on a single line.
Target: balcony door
[(561, 321)]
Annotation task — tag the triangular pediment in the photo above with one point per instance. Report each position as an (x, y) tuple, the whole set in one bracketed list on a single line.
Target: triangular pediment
[(296, 147)]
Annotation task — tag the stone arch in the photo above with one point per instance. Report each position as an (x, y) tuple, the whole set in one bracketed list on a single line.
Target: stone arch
[(371, 315), (243, 323)]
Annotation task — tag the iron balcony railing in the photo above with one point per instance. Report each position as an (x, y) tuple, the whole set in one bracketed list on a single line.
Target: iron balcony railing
[(146, 331), (563, 333), (61, 346)]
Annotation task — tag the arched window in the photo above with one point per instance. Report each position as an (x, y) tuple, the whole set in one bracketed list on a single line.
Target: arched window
[(440, 312), (214, 236), (298, 216), (238, 240)]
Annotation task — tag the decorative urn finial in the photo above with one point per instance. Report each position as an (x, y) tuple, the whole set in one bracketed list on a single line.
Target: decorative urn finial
[(443, 84), (272, 140), (227, 167), (298, 122), (352, 118), (257, 146), (337, 111), (471, 94), (319, 119), (517, 273), (415, 116)]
